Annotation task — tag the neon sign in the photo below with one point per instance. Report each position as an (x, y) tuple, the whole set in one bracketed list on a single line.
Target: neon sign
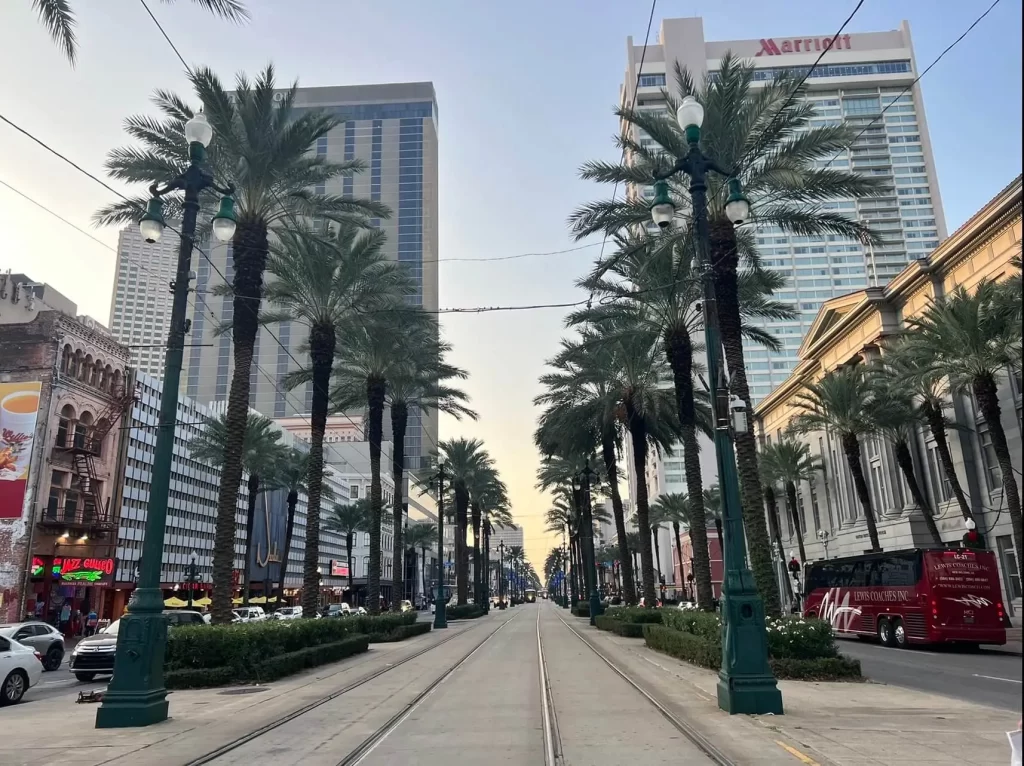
[(94, 571), (339, 568)]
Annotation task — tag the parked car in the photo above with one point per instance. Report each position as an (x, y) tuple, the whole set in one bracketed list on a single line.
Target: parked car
[(338, 610), (287, 613), (406, 606), (94, 655), (41, 637), (21, 667), (250, 614)]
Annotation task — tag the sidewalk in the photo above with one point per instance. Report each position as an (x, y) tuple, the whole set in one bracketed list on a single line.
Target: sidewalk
[(837, 724), (200, 720)]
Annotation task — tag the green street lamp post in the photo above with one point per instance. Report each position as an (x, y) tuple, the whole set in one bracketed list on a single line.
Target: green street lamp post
[(192, 575), (565, 572), (590, 556), (745, 682), (136, 695), (440, 618), (501, 570)]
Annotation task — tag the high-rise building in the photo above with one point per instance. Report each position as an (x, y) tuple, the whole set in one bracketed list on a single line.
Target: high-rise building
[(392, 128), (140, 310), (861, 75)]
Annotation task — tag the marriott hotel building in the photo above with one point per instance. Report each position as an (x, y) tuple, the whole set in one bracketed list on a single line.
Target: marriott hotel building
[(859, 77)]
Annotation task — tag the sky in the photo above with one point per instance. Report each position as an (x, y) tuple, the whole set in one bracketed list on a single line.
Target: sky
[(525, 93)]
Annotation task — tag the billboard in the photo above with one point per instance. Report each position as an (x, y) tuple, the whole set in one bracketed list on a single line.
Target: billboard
[(268, 535), (19, 408), (339, 568)]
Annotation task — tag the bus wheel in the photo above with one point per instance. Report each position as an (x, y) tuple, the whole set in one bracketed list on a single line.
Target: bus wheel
[(885, 632), (899, 633)]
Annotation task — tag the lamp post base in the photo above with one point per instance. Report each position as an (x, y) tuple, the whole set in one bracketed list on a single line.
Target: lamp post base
[(136, 695), (595, 607), (440, 618), (746, 684)]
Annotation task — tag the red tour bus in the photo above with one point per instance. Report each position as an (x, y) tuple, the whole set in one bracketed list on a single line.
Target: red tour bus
[(910, 597)]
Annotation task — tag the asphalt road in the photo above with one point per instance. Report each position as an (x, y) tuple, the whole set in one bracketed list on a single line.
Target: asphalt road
[(60, 682), (985, 676)]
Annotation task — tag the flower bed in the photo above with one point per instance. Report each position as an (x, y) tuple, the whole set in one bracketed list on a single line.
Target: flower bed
[(797, 648)]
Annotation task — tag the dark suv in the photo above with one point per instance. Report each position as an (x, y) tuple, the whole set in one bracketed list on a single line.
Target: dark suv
[(42, 637), (94, 656)]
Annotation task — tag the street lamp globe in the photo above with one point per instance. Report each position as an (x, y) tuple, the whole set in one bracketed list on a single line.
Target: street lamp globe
[(151, 225), (194, 557), (198, 130), (224, 223), (737, 206), (662, 209), (690, 112)]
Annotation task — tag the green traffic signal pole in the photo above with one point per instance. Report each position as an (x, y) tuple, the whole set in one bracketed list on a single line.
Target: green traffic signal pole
[(136, 695), (440, 617), (745, 682)]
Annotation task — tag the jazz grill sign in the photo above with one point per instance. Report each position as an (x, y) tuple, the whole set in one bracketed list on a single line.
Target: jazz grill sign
[(88, 571), (769, 47)]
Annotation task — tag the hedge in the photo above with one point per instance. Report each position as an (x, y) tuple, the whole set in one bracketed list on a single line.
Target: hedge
[(269, 669), (634, 614), (797, 649), (463, 612), (619, 627), (401, 633)]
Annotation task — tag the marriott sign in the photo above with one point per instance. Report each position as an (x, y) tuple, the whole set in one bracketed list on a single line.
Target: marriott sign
[(802, 45)]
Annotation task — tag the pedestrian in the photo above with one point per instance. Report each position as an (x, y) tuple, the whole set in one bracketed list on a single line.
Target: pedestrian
[(91, 620), (65, 618)]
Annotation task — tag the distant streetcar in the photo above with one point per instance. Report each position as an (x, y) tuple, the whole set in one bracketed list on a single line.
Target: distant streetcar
[(531, 595)]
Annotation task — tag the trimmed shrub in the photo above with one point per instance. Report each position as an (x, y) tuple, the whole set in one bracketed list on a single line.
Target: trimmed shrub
[(819, 669), (269, 669), (379, 626), (581, 609), (684, 646), (464, 612), (706, 625), (402, 632), (800, 639), (619, 627), (634, 614)]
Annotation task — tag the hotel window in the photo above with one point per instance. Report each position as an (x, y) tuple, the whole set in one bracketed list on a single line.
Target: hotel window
[(652, 80), (876, 474), (990, 462), (941, 489)]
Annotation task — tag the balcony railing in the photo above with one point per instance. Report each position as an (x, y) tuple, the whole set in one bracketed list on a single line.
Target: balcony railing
[(75, 513), (78, 441)]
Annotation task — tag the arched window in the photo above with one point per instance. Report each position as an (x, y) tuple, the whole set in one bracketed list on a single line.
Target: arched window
[(108, 379), (100, 434), (64, 425), (96, 373), (83, 430), (66, 357), (86, 370)]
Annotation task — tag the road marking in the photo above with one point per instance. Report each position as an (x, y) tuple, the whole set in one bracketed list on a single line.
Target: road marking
[(797, 754), (997, 678)]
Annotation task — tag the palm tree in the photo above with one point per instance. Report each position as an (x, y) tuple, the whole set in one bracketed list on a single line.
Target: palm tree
[(422, 535), (423, 383), (564, 516), (633, 540), (765, 132), (347, 519), (657, 522), (841, 401), (490, 496), (517, 559), (261, 457), (675, 508), (897, 417), (927, 385), (464, 460), (325, 279), (793, 464), (59, 19), (713, 508), (770, 475), (973, 338), (265, 149)]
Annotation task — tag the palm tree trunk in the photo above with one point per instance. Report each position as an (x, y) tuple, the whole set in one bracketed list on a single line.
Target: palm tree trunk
[(351, 568), (477, 557), (987, 396), (574, 571), (612, 469), (906, 464), (724, 264), (375, 404), (486, 569), (657, 555), (638, 437), (851, 448), (679, 350), (250, 261), (794, 514), (250, 522), (423, 557), (679, 552), (721, 543), (937, 427), (322, 344), (399, 422), (773, 520), (293, 501), (461, 547)]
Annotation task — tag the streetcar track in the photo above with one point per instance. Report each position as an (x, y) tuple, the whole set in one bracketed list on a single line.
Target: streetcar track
[(368, 745), (288, 717), (552, 739), (704, 744)]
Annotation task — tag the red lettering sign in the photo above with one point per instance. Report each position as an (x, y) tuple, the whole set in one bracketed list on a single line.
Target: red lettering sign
[(802, 45), (339, 568), (90, 571)]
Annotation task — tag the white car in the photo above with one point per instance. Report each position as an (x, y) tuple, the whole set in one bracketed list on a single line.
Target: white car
[(21, 667), (250, 614), (287, 613)]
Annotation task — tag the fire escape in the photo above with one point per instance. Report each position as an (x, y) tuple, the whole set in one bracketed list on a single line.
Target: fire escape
[(87, 512)]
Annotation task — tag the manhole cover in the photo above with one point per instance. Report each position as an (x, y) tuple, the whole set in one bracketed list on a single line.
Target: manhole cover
[(246, 690)]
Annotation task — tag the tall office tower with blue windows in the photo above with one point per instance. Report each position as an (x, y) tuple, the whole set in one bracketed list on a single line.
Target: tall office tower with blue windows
[(392, 128), (858, 77)]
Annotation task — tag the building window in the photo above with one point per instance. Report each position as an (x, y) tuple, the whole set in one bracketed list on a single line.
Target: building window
[(353, 492), (993, 478), (941, 488), (1011, 571), (876, 475), (652, 81), (815, 509)]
